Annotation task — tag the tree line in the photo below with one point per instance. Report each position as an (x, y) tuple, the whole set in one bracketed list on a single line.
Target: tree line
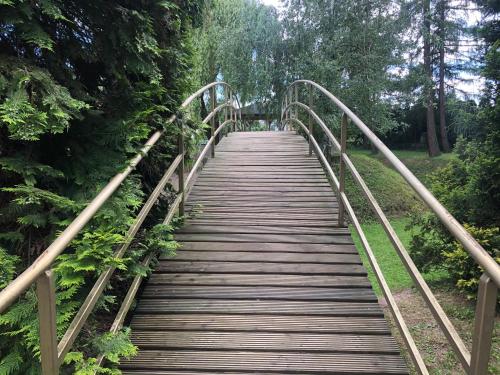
[(383, 58)]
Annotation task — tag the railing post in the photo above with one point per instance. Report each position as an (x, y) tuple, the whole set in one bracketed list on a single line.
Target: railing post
[(235, 115), (483, 326), (241, 122), (310, 120), (212, 120), (225, 108), (231, 109), (46, 295), (343, 146), (286, 110), (296, 90), (180, 169)]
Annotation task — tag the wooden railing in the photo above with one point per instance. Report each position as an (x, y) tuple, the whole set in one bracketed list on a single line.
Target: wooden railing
[(52, 352), (475, 362)]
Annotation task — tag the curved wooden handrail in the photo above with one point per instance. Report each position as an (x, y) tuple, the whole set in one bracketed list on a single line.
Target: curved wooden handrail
[(398, 318), (473, 364), (469, 243), (52, 353)]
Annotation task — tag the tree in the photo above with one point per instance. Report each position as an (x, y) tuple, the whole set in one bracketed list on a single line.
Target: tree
[(432, 143), (239, 42), (445, 143), (349, 47), (82, 84), (469, 187)]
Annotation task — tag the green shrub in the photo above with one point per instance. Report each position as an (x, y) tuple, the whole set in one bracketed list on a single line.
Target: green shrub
[(461, 267), (469, 187), (79, 95)]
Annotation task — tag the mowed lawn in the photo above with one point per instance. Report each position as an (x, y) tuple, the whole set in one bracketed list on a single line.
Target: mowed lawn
[(393, 269)]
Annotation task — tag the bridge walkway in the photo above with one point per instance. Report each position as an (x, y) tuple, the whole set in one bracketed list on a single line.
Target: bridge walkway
[(265, 281)]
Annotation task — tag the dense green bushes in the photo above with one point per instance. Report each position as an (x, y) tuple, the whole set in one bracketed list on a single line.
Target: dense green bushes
[(82, 85), (469, 187)]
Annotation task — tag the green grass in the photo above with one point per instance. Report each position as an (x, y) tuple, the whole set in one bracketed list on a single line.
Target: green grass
[(391, 191), (418, 162), (394, 272)]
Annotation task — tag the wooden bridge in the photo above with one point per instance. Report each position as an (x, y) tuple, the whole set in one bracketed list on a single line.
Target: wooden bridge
[(267, 279)]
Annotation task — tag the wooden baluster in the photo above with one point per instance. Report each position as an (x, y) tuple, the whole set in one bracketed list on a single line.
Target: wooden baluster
[(180, 169), (213, 104), (296, 90), (46, 295), (225, 108), (231, 110), (310, 120), (343, 146), (483, 326), (286, 110)]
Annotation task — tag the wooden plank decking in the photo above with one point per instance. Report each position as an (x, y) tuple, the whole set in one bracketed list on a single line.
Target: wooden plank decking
[(265, 281)]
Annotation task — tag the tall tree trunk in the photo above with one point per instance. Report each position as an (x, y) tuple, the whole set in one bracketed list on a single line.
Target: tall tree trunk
[(432, 143), (442, 105)]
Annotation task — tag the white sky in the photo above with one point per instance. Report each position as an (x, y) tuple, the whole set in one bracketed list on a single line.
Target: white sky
[(274, 3)]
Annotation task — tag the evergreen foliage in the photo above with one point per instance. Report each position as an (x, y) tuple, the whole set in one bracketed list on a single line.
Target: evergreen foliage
[(82, 85)]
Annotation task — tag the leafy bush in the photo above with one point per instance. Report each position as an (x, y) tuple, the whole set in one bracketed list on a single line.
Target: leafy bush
[(462, 267), (78, 96), (469, 187)]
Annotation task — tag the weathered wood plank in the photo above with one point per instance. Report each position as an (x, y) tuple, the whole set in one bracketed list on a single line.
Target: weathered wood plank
[(257, 307), (260, 230), (257, 216), (175, 266), (196, 210), (225, 221), (257, 256), (284, 188), (258, 280), (288, 238), (262, 323), (238, 195), (260, 292), (325, 363), (348, 248), (296, 342), (242, 205)]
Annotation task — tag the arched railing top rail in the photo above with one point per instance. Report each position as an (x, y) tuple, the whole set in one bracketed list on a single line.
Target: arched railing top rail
[(206, 88), (470, 244), (52, 353), (475, 363)]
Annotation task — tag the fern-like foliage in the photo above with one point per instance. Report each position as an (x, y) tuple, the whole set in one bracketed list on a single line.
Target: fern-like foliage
[(82, 85), (34, 104)]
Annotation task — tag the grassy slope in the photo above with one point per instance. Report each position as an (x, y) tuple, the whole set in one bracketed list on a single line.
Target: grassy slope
[(398, 201), (391, 191), (396, 198), (417, 161)]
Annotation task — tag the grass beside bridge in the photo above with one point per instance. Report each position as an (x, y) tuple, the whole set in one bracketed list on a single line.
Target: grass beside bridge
[(398, 200)]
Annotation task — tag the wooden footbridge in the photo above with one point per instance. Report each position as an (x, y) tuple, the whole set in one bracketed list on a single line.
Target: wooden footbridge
[(267, 279)]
